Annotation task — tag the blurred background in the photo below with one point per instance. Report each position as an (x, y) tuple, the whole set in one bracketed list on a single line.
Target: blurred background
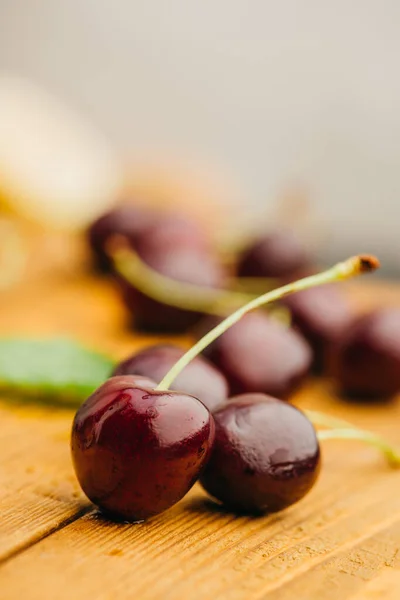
[(251, 101)]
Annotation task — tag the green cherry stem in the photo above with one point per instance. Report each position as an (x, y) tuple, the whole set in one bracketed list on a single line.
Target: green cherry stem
[(253, 284), (342, 429), (391, 454), (323, 420), (343, 270), (186, 296)]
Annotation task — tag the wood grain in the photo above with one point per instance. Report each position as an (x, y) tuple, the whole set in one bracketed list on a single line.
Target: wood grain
[(38, 490), (342, 541)]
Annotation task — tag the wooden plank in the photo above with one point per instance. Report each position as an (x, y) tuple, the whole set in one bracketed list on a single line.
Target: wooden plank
[(339, 542), (196, 550), (367, 569), (38, 490)]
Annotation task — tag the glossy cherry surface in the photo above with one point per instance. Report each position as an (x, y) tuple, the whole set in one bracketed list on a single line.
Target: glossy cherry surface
[(126, 220), (189, 265), (199, 378), (321, 315), (279, 254), (265, 457), (136, 451), (259, 354), (366, 359)]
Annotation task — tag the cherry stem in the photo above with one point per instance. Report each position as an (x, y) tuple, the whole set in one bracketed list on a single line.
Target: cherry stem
[(341, 429), (186, 296), (253, 284), (391, 454), (324, 420), (343, 270)]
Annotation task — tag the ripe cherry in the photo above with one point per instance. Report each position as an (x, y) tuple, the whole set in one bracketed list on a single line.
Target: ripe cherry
[(172, 231), (126, 220), (192, 266), (259, 354), (265, 457), (137, 451), (366, 359), (279, 254), (199, 378), (321, 315)]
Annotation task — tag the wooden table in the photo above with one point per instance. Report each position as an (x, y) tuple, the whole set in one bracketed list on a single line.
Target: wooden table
[(342, 541)]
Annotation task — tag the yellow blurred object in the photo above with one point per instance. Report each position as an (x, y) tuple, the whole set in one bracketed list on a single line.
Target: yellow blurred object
[(55, 169), (13, 254)]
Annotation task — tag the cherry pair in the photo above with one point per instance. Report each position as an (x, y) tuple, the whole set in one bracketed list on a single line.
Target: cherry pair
[(138, 448)]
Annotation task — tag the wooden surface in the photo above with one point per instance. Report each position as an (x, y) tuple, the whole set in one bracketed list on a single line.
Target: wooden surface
[(341, 542)]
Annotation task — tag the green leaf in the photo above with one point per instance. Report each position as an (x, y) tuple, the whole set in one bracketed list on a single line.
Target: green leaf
[(51, 370)]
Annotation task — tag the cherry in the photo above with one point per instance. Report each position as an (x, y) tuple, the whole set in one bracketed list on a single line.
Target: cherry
[(172, 231), (259, 354), (200, 378), (192, 266), (126, 220), (279, 254), (137, 451), (366, 358), (321, 315), (265, 457)]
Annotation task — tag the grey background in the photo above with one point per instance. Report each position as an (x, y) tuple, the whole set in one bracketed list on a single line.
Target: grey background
[(262, 91)]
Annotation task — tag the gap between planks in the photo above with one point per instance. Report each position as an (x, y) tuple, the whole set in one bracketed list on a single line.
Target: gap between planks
[(19, 549)]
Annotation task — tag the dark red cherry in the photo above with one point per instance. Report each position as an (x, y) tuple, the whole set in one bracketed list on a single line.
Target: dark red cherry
[(321, 314), (265, 456), (125, 220), (278, 254), (189, 265), (199, 378), (137, 451), (366, 359), (172, 231), (259, 354)]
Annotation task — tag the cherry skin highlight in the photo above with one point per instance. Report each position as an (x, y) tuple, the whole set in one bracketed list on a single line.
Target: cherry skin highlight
[(127, 221), (259, 354), (321, 315), (141, 381), (366, 359), (138, 451), (190, 265), (200, 378), (265, 456), (279, 254)]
